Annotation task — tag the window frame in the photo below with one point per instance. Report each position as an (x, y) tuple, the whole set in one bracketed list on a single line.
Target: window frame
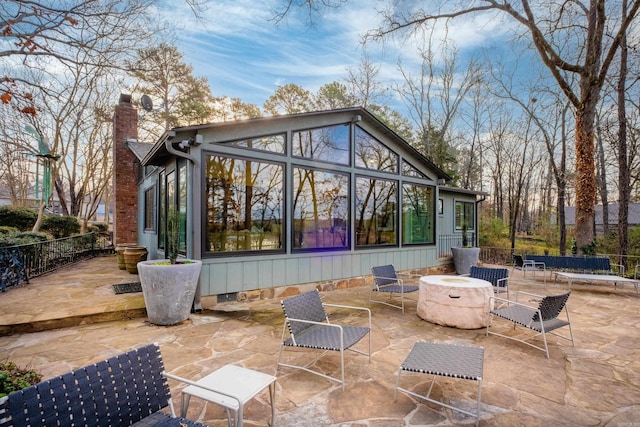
[(294, 233), (350, 148), (150, 209), (206, 244), (396, 214), (470, 224), (429, 214)]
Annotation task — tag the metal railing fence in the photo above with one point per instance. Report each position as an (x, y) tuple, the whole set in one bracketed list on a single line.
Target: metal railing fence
[(448, 241), (43, 257)]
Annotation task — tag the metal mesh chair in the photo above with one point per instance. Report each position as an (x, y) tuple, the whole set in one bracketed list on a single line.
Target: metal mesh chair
[(448, 360), (385, 279), (308, 326), (498, 277), (542, 319), (519, 263)]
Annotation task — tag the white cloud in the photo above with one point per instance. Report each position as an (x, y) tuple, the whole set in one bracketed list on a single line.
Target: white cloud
[(244, 54)]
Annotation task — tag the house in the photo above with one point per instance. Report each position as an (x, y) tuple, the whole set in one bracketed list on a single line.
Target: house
[(272, 202), (633, 217)]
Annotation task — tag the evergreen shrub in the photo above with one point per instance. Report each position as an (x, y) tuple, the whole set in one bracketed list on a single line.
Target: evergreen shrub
[(61, 226), (19, 217)]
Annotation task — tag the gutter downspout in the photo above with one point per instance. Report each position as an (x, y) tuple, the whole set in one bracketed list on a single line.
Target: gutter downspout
[(478, 219), (197, 301), (170, 149)]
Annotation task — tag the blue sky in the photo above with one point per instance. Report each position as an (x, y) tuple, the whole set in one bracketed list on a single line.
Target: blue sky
[(244, 55)]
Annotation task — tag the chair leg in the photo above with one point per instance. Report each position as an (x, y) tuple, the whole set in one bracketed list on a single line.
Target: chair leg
[(478, 403), (342, 361)]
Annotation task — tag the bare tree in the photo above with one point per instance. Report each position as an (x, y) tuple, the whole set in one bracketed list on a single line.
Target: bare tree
[(433, 99), (597, 38), (595, 35), (42, 34), (623, 165), (364, 85)]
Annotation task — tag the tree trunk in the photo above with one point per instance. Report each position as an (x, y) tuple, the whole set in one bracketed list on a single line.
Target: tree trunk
[(585, 176), (601, 180), (562, 185), (623, 165), (36, 226)]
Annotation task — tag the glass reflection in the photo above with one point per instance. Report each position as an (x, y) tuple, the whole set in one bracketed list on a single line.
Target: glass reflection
[(328, 144), (320, 209), (244, 204)]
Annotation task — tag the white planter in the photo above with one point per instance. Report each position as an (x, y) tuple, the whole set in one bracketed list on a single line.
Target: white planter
[(464, 258), (168, 290)]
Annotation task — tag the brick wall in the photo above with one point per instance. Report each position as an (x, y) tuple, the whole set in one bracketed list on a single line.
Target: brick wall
[(125, 165)]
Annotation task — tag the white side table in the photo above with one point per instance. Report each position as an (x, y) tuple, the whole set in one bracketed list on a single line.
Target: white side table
[(231, 387)]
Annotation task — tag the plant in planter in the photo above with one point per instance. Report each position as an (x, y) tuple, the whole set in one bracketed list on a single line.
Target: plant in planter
[(173, 235), (466, 256), (169, 285)]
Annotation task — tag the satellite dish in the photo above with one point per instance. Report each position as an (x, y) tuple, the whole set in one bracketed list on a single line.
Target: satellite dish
[(146, 103)]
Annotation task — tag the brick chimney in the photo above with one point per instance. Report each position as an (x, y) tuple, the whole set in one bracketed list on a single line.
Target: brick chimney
[(125, 167)]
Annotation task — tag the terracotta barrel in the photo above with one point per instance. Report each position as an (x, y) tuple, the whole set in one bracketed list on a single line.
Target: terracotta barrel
[(120, 248), (132, 256)]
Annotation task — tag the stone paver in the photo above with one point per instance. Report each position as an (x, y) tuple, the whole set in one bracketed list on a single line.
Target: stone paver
[(595, 383)]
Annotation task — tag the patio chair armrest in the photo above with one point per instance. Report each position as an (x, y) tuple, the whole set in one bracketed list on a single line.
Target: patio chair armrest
[(535, 264), (364, 309), (499, 299), (505, 279), (411, 275), (511, 302), (620, 268), (327, 324)]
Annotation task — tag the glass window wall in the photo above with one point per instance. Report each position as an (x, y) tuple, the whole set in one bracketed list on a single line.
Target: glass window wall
[(376, 212), (244, 204), (464, 215), (320, 209), (418, 220), (272, 143), (327, 144), (372, 154)]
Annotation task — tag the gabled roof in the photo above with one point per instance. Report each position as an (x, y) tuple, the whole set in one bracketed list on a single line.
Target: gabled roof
[(159, 149), (139, 149), (633, 219)]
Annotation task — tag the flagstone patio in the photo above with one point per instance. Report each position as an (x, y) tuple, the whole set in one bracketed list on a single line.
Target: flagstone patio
[(73, 317)]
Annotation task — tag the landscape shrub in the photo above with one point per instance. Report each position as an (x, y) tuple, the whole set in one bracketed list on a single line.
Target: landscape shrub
[(19, 217), (493, 233), (61, 226), (7, 230), (98, 227), (23, 238), (13, 378)]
